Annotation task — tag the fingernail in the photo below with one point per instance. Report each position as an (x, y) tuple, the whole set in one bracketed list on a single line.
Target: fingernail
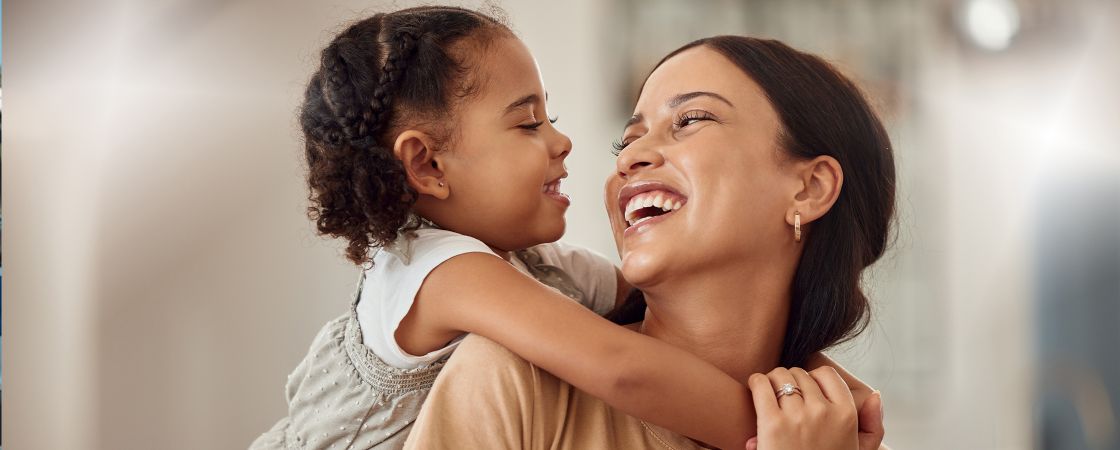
[(880, 396)]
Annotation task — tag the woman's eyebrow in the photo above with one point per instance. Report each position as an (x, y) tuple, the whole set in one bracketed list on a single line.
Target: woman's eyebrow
[(636, 118), (681, 98), (678, 100)]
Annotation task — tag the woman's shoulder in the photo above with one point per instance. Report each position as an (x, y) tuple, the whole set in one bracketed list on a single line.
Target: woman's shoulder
[(486, 383), (479, 354)]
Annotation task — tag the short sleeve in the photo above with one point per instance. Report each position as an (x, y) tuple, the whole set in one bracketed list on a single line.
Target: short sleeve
[(593, 274), (392, 283)]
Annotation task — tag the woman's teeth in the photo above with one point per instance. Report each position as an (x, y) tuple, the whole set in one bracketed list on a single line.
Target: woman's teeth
[(664, 202), (553, 187)]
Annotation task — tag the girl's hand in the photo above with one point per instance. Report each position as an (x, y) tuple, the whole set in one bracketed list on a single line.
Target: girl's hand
[(822, 417)]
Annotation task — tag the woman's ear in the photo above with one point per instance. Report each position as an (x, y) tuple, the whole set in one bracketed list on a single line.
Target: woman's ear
[(821, 181), (422, 164)]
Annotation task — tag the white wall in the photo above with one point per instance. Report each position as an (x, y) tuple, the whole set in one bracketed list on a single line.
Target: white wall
[(162, 277)]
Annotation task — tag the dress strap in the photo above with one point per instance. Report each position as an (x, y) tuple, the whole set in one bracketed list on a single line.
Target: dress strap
[(357, 295)]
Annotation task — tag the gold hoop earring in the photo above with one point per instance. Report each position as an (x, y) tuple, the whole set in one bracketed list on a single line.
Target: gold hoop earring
[(797, 226)]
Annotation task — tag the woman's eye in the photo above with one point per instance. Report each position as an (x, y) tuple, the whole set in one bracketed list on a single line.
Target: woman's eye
[(531, 126), (692, 117), (618, 147)]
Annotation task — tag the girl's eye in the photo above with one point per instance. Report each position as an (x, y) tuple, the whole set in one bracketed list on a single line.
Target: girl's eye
[(692, 117), (535, 125)]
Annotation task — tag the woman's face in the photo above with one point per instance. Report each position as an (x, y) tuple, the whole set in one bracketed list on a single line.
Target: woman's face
[(702, 145)]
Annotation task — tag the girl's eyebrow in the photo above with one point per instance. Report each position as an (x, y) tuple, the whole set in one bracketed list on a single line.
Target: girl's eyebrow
[(528, 99)]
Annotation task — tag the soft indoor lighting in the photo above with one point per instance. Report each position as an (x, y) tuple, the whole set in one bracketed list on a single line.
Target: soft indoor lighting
[(991, 24)]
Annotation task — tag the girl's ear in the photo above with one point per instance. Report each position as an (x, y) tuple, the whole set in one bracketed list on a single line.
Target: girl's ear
[(423, 168), (820, 180)]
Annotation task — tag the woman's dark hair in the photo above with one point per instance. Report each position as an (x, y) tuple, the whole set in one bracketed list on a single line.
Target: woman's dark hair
[(407, 67), (822, 113)]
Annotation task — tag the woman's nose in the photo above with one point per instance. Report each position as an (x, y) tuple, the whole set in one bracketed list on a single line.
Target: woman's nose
[(635, 158)]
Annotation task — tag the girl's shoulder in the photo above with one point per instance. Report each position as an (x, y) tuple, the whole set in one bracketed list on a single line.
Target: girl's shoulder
[(578, 272), (429, 243), (567, 255)]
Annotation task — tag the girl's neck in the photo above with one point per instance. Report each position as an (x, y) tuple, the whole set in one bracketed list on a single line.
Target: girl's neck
[(733, 321), (428, 223), (504, 254)]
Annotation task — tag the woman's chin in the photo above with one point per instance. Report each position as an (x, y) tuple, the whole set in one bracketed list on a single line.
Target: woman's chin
[(642, 269)]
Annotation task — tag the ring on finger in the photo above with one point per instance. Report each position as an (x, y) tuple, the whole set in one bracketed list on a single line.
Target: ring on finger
[(788, 389)]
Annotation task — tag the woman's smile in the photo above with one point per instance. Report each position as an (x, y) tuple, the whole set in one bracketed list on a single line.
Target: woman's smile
[(645, 203)]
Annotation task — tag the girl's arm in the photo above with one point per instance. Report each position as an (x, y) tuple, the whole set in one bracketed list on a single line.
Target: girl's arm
[(634, 373)]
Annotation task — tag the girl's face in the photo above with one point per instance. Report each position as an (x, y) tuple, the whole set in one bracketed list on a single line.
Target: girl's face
[(504, 171), (702, 148)]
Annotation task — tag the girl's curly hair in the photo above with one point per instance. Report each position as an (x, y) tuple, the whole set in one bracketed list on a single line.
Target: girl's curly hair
[(380, 73)]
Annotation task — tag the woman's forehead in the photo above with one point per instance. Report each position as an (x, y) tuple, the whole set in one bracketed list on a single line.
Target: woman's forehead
[(698, 69)]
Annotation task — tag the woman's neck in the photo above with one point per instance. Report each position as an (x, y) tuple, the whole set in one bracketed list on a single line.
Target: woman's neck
[(733, 321)]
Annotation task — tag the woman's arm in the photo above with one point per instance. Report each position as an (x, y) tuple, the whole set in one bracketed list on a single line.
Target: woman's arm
[(634, 373)]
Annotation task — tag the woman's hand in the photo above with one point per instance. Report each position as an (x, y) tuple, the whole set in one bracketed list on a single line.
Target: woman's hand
[(822, 416)]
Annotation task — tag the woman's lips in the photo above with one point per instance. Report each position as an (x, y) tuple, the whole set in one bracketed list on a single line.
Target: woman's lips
[(650, 204), (643, 225), (645, 203)]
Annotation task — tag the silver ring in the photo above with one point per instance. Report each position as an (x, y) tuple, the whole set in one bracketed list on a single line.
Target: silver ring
[(787, 389)]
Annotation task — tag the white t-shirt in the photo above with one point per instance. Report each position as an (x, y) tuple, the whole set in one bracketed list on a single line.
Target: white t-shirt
[(398, 271)]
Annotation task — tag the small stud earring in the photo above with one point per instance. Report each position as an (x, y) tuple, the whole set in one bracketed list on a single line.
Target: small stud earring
[(440, 184), (797, 226)]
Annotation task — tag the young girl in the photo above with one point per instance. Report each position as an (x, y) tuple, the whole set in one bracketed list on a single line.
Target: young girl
[(427, 141)]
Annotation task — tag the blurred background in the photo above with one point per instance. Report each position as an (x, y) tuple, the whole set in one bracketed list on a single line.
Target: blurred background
[(162, 278)]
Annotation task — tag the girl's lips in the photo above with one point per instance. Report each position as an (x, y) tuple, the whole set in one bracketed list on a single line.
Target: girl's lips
[(559, 197), (552, 191)]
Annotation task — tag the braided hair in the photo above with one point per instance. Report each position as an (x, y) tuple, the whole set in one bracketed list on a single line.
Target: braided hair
[(381, 73)]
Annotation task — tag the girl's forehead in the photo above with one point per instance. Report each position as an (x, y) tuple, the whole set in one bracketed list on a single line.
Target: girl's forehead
[(508, 72)]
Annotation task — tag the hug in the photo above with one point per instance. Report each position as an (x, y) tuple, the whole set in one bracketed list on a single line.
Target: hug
[(753, 186)]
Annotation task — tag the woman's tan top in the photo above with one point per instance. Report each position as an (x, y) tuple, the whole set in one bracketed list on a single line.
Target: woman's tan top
[(489, 398)]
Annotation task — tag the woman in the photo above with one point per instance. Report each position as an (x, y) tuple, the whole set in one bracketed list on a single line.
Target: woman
[(780, 181)]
